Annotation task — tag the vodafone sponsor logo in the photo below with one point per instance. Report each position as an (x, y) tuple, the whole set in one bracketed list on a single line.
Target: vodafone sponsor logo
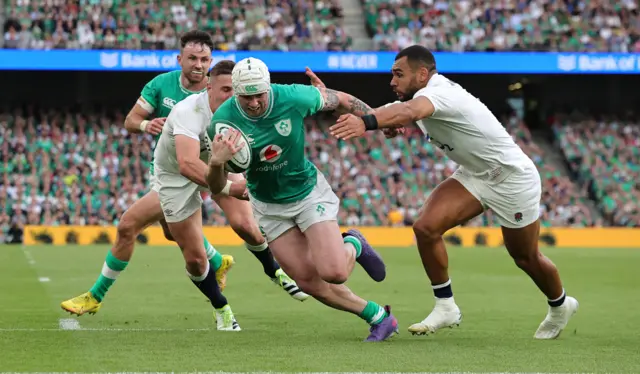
[(270, 153)]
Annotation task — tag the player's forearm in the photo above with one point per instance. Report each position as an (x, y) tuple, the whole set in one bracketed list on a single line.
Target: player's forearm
[(394, 115), (194, 170), (351, 104), (343, 103), (133, 121), (216, 178)]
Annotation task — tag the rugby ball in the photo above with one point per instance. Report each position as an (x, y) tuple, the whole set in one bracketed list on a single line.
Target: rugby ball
[(242, 159)]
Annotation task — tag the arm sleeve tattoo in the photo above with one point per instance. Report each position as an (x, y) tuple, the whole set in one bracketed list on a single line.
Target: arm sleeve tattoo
[(343, 103), (331, 99)]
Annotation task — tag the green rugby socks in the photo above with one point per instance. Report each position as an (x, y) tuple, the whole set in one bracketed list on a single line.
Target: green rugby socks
[(373, 313), (214, 257), (110, 271)]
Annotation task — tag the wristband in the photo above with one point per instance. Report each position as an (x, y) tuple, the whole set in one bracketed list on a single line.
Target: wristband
[(227, 188), (143, 125), (370, 122)]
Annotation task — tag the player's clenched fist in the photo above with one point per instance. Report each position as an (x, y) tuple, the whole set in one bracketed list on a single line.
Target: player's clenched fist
[(348, 126), (153, 127), (223, 147)]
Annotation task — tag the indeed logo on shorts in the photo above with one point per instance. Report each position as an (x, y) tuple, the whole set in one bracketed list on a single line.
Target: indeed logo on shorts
[(271, 154)]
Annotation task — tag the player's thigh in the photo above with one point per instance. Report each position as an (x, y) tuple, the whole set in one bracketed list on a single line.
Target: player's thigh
[(326, 247), (318, 220), (516, 203), (273, 219), (179, 197), (143, 213), (453, 202), (188, 234), (291, 251), (181, 205), (516, 200)]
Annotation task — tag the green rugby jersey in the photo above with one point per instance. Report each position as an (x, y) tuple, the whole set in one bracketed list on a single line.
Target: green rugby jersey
[(161, 94), (279, 171)]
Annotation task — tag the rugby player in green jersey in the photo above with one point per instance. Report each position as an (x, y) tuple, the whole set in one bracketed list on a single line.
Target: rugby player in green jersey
[(292, 201), (157, 99)]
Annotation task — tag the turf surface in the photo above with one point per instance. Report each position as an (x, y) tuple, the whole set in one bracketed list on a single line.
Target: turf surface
[(153, 319)]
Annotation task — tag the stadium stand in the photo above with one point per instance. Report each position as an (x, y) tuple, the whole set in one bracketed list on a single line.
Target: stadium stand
[(604, 155), (117, 24), (65, 168), (518, 25)]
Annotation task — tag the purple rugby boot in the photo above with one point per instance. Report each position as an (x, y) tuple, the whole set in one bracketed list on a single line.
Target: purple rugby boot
[(369, 259), (385, 329)]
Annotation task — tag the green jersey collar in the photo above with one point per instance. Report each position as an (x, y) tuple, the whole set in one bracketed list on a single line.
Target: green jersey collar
[(186, 91)]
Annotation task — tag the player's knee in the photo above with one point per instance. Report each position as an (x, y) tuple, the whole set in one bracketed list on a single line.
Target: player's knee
[(337, 275), (196, 264), (427, 229), (127, 228), (245, 227), (525, 260)]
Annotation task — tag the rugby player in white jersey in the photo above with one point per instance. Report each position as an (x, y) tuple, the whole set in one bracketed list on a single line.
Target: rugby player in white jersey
[(493, 173)]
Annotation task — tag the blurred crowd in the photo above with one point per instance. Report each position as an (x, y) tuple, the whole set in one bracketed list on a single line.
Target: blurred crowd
[(118, 24), (445, 25), (500, 25), (85, 169), (604, 155)]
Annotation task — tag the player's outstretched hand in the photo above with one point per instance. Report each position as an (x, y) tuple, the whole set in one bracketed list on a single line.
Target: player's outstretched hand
[(348, 126), (154, 127), (392, 132), (223, 147), (315, 81), (239, 190)]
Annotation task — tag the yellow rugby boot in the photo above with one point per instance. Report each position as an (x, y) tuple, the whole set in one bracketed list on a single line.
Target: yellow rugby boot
[(221, 273), (82, 304)]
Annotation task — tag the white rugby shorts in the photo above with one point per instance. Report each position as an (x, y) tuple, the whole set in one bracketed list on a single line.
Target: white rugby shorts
[(320, 205), (515, 199), (179, 197)]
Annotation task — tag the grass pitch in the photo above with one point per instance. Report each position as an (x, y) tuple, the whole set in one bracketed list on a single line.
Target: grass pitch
[(153, 319)]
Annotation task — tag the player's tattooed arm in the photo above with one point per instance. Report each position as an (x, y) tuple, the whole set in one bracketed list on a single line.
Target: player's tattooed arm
[(401, 114), (343, 103)]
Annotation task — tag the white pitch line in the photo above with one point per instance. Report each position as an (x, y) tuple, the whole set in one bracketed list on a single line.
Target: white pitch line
[(61, 329), (69, 324), (28, 256), (272, 372), (44, 279)]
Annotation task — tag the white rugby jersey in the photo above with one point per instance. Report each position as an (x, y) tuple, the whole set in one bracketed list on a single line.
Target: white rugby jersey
[(190, 117), (466, 130)]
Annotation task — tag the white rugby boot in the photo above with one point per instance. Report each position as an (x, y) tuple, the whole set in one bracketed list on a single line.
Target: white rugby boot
[(445, 314), (557, 319)]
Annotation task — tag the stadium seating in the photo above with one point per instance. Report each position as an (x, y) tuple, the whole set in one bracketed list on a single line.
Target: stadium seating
[(117, 24), (476, 25), (605, 156), (85, 169)]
